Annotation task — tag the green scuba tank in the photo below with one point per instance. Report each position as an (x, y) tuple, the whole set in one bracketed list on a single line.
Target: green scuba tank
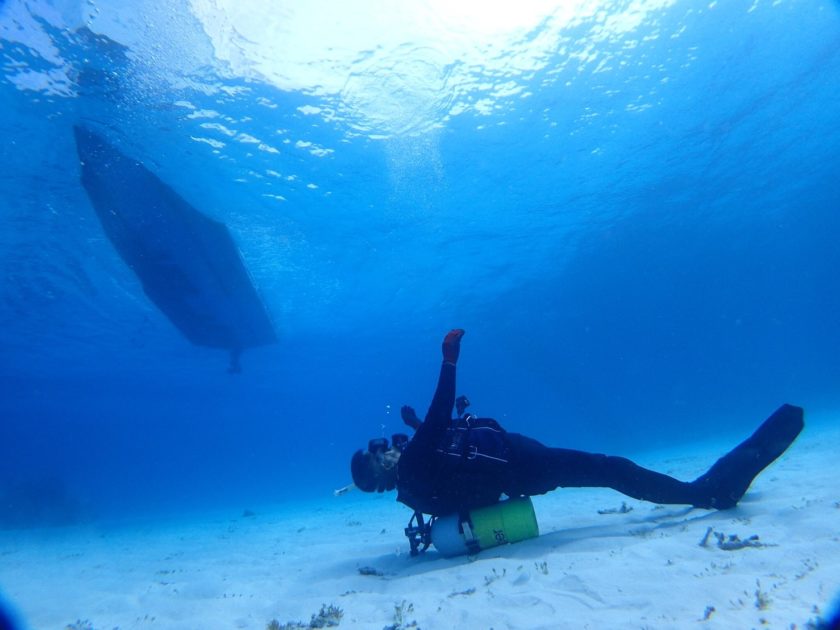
[(505, 522)]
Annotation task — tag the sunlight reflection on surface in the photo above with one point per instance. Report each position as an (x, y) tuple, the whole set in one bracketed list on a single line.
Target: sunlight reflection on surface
[(393, 69)]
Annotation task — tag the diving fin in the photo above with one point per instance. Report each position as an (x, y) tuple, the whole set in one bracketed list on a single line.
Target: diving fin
[(728, 480)]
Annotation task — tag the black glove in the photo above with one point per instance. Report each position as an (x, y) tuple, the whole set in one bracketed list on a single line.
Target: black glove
[(409, 416)]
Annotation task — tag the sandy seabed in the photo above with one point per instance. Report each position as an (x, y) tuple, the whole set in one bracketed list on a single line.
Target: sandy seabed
[(643, 568)]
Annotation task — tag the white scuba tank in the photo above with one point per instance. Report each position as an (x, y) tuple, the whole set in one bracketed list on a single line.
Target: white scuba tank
[(505, 522)]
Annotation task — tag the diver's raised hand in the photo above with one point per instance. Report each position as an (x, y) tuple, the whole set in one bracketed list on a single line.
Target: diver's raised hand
[(409, 417), (452, 345)]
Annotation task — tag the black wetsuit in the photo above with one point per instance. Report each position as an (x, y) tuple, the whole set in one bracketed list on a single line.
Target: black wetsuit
[(455, 467)]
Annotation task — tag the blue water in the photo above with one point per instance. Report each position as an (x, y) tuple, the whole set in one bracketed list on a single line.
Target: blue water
[(632, 208)]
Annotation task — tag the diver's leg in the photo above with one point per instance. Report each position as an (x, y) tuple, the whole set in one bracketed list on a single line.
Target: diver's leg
[(727, 481), (538, 469)]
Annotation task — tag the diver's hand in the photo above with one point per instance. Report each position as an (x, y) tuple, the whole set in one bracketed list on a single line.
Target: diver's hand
[(452, 345), (409, 417)]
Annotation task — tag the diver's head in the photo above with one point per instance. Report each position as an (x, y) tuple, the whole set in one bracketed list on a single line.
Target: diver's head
[(375, 470), (461, 403)]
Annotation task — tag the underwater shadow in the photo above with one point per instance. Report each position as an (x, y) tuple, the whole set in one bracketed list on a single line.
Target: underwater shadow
[(398, 566)]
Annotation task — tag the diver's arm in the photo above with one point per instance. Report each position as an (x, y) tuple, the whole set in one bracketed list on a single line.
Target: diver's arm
[(409, 417), (439, 415)]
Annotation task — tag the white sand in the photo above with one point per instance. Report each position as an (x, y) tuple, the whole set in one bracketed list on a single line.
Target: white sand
[(642, 569)]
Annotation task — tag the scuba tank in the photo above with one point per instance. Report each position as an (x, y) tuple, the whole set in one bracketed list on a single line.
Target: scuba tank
[(505, 522)]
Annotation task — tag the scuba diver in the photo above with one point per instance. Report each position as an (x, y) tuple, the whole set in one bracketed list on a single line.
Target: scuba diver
[(399, 440), (457, 466)]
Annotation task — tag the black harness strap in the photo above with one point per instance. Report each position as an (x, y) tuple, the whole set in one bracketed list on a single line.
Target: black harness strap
[(419, 533)]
